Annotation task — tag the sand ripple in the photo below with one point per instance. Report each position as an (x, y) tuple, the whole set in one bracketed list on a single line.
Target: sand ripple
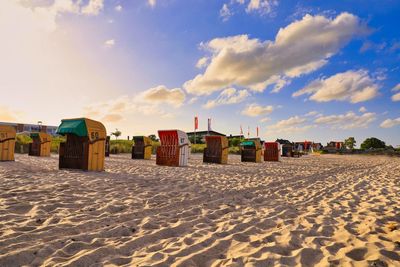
[(312, 211)]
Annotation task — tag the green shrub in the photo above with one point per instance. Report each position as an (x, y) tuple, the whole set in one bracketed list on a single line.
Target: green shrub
[(234, 150), (22, 143), (198, 148), (55, 143), (373, 143), (121, 146)]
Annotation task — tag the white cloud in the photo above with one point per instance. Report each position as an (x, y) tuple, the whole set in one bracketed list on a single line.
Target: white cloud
[(202, 62), (295, 124), (300, 48), (266, 119), (255, 110), (389, 123), (352, 86), (152, 3), (396, 97), (118, 8), (396, 88), (312, 114), (93, 7), (349, 120), (362, 110), (225, 12), (115, 110), (262, 6), (161, 94), (227, 97), (109, 43), (193, 100)]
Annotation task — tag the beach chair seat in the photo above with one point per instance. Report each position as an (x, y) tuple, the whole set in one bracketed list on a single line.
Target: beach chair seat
[(7, 143), (173, 149), (216, 150), (85, 145)]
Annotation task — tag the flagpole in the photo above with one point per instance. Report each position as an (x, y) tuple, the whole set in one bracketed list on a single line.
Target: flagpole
[(195, 126)]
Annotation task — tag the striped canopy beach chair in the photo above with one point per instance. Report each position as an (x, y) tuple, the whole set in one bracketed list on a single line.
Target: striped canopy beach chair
[(174, 148)]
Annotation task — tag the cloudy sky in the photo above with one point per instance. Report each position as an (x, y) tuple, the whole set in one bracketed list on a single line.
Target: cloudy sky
[(303, 70)]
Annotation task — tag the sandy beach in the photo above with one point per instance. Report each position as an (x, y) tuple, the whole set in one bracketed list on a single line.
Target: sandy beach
[(313, 211)]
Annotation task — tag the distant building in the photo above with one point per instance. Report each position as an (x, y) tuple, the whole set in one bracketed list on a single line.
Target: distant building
[(28, 128), (283, 141), (333, 146), (200, 135), (303, 146), (240, 136), (317, 146)]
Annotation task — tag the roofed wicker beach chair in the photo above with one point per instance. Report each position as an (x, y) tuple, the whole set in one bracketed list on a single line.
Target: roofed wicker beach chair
[(174, 148), (85, 145), (271, 151), (41, 144), (251, 150), (7, 143), (142, 147), (287, 150), (216, 150)]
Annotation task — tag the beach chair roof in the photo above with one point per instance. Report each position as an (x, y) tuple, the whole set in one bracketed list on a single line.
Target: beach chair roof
[(251, 142), (223, 139), (41, 136), (146, 140), (83, 127), (180, 135), (7, 132)]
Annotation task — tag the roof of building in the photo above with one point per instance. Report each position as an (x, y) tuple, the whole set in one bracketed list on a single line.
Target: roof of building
[(205, 133)]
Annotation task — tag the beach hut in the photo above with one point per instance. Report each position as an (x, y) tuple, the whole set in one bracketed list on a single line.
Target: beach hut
[(251, 150), (85, 145), (7, 142), (216, 150), (142, 147), (174, 148), (271, 151), (41, 144), (107, 149)]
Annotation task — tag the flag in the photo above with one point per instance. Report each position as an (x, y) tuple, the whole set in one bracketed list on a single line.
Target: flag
[(209, 124), (257, 131), (196, 123)]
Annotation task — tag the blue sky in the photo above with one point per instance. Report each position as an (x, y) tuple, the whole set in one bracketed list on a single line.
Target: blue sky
[(303, 70)]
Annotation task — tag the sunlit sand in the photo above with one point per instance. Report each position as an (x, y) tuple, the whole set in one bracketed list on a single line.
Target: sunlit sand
[(315, 210)]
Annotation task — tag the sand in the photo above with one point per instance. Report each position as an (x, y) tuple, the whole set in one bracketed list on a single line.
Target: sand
[(312, 211)]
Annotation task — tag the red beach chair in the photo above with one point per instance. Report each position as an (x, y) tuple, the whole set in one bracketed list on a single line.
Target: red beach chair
[(174, 148)]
